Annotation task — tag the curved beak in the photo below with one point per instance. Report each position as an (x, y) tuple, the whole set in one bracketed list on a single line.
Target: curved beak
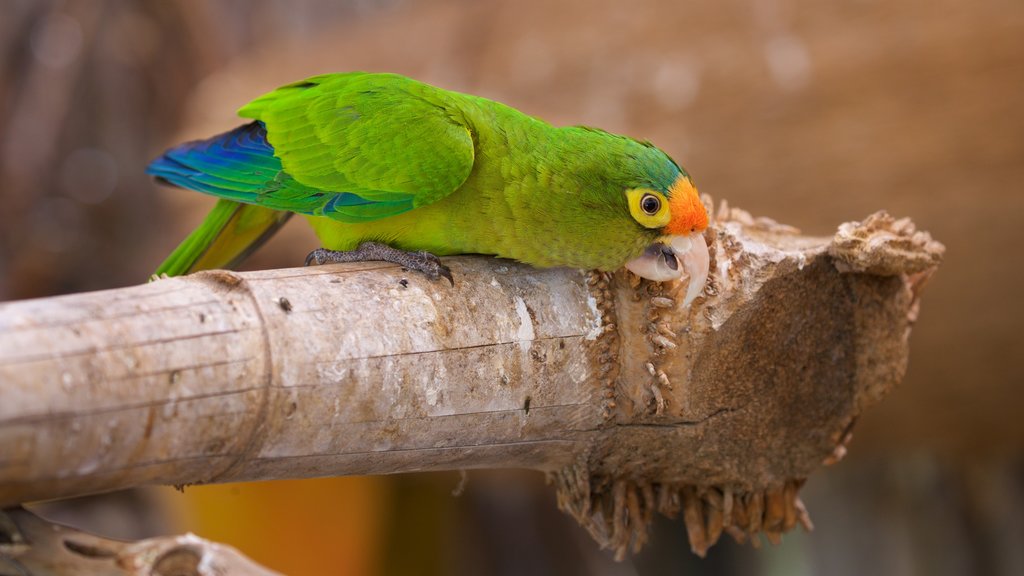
[(674, 257)]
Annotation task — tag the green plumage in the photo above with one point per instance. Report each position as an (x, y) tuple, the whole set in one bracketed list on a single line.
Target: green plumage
[(382, 157)]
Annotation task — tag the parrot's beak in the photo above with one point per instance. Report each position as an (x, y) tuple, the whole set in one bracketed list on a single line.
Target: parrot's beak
[(674, 257)]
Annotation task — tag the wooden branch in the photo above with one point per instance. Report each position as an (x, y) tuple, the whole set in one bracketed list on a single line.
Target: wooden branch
[(32, 545), (630, 402)]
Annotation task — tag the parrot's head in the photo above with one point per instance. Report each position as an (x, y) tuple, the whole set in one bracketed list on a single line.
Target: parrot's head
[(675, 219)]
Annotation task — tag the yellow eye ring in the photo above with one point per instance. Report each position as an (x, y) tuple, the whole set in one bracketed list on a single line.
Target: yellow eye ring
[(648, 207)]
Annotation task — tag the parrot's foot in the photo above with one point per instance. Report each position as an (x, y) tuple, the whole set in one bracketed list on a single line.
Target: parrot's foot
[(424, 262)]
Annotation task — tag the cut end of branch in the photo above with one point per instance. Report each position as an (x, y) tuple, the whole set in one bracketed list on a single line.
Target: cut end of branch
[(784, 351), (884, 246)]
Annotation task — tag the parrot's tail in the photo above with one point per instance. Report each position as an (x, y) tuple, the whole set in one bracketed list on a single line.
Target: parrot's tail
[(230, 232)]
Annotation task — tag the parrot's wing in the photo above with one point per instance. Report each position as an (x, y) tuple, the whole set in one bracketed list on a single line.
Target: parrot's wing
[(384, 142), (240, 165)]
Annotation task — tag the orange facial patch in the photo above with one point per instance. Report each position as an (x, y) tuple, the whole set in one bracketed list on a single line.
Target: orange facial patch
[(688, 213)]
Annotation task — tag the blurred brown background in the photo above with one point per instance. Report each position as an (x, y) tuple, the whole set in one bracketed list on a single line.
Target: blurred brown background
[(812, 113)]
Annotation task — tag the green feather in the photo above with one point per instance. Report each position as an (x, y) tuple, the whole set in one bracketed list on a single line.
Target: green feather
[(230, 232), (383, 137)]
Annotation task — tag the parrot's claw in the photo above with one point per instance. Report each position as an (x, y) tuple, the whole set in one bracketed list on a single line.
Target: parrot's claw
[(443, 272), (424, 262)]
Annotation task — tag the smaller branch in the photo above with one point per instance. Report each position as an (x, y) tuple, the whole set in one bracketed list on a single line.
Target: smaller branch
[(32, 545)]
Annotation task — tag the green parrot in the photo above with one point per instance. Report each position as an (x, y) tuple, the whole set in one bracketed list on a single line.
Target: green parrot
[(387, 168)]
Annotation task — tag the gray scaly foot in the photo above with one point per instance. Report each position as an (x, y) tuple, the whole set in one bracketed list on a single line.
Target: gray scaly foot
[(424, 262)]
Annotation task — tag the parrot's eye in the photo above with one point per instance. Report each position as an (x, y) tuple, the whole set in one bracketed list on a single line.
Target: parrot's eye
[(650, 204), (648, 207)]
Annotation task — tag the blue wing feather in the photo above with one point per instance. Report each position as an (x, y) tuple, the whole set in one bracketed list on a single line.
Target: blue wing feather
[(240, 165)]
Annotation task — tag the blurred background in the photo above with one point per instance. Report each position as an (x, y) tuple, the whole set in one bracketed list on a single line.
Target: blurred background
[(812, 113)]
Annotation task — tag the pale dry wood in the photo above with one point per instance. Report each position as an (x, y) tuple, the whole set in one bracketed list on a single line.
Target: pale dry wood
[(603, 381)]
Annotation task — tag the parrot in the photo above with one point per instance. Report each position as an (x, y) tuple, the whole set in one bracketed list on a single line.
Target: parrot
[(384, 167)]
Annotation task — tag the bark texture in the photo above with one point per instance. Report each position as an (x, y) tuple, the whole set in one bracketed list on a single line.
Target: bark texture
[(631, 403)]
